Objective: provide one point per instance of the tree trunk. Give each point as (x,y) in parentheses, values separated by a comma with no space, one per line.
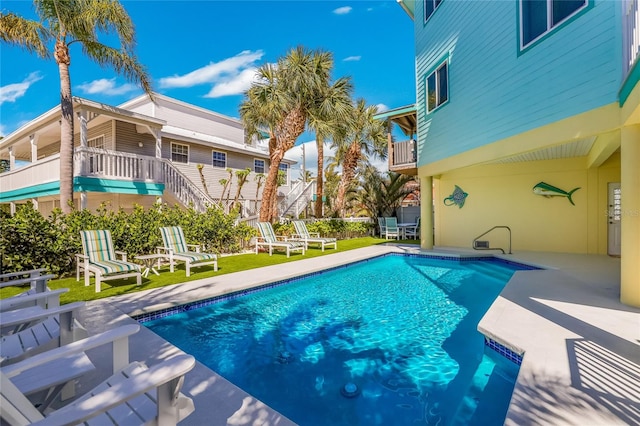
(66,127)
(348,173)
(269,194)
(319,180)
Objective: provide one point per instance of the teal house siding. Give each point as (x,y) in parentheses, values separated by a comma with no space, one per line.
(496,90)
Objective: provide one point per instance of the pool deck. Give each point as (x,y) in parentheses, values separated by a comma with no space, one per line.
(582,346)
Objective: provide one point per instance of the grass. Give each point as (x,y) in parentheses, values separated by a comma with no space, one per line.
(226,265)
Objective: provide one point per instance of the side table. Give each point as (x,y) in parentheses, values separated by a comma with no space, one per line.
(148,260)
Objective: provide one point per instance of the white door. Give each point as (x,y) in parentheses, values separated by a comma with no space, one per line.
(614,213)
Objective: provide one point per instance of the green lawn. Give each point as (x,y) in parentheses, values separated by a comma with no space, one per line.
(226,265)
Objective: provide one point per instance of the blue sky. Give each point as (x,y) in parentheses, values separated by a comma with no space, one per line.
(205,53)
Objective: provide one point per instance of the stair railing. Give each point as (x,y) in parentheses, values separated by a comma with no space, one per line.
(477,246)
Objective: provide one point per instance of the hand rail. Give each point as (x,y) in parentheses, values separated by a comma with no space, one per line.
(492,248)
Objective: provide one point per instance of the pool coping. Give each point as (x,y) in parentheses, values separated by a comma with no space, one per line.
(234,406)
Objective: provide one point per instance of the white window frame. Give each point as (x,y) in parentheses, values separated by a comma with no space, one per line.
(264,165)
(213,152)
(439,101)
(176,144)
(550,25)
(94,139)
(435,3)
(285,168)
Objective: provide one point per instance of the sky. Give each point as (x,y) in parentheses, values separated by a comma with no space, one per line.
(206,52)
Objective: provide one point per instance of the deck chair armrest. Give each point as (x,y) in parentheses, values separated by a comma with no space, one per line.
(122,254)
(32,273)
(28,280)
(80,256)
(166,250)
(20,316)
(109,336)
(197,247)
(10,302)
(152,378)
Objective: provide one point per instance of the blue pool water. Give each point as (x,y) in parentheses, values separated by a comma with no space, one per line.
(398,331)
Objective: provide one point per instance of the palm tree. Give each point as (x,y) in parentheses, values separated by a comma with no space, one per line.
(364,137)
(63,23)
(332,110)
(280,102)
(381,194)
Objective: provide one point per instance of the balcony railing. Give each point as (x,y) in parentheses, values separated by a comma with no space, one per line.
(403,156)
(115,164)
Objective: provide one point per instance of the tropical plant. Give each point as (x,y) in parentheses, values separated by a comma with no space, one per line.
(61,24)
(258,178)
(364,137)
(280,101)
(381,194)
(241,178)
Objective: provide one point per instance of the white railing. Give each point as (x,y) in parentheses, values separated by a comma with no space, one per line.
(631,35)
(297,199)
(115,164)
(404,152)
(182,187)
(42,171)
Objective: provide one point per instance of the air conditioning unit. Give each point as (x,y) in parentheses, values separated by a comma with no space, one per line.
(478,244)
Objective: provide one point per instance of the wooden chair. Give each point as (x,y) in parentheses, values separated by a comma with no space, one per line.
(303,234)
(269,240)
(176,248)
(99,259)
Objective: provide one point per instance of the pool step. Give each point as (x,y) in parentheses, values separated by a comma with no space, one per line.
(469,403)
(492,270)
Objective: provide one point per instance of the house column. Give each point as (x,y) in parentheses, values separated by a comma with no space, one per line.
(630,218)
(426,212)
(82,167)
(83,200)
(158,137)
(34,147)
(12,159)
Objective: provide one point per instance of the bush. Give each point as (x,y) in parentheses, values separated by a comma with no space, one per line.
(28,240)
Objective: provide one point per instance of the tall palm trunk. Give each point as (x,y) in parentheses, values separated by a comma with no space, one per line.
(268,206)
(348,173)
(319,180)
(61,55)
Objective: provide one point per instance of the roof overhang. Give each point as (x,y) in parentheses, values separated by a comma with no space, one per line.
(405,117)
(409,6)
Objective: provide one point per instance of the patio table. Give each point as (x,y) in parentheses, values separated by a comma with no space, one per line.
(403,226)
(148,260)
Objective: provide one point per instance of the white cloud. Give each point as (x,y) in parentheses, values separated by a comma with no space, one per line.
(106,86)
(234,85)
(382,108)
(342,10)
(352,58)
(230,76)
(3,130)
(11,92)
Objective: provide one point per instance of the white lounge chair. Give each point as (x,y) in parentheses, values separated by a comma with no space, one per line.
(303,234)
(34,329)
(99,259)
(134,394)
(382,226)
(38,293)
(176,248)
(52,374)
(270,240)
(391,228)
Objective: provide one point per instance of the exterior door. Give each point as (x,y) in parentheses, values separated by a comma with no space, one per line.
(614,213)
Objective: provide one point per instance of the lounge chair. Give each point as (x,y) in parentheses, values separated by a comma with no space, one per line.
(176,248)
(38,293)
(99,259)
(134,394)
(270,240)
(391,228)
(382,226)
(45,377)
(303,234)
(31,330)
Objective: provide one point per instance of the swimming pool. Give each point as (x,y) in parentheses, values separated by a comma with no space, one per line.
(391,340)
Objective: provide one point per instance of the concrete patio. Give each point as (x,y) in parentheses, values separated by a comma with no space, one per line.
(581,345)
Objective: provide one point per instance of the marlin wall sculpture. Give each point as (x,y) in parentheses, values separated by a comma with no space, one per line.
(547,190)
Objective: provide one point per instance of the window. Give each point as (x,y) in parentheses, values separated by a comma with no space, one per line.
(219,159)
(258,166)
(538,17)
(429,7)
(285,169)
(437,87)
(179,153)
(97,142)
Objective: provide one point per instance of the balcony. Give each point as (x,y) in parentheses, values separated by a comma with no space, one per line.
(402,157)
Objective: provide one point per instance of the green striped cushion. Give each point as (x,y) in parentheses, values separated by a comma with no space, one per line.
(97,245)
(115,266)
(301,229)
(267,232)
(196,257)
(173,238)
